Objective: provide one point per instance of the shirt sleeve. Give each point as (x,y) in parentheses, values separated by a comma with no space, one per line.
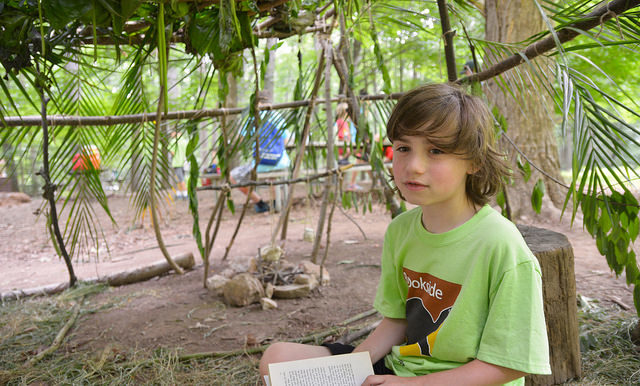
(390,299)
(515,334)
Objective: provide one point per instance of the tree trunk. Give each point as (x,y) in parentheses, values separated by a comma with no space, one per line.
(555,255)
(529,121)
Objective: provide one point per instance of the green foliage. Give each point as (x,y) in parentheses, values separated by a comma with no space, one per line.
(221,34)
(612,219)
(536,195)
(194,175)
(525,168)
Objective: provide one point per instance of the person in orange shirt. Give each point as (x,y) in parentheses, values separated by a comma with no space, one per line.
(86,159)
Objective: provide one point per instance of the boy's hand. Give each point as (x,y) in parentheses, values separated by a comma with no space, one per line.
(373,380)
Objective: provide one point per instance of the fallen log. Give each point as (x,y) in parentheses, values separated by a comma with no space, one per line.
(131,276)
(137,275)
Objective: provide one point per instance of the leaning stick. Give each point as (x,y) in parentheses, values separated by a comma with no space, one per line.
(59,338)
(353,336)
(262,348)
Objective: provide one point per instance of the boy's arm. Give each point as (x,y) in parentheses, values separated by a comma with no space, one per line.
(390,332)
(475,372)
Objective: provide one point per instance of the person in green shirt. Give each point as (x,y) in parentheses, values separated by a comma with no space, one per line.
(460,292)
(178,160)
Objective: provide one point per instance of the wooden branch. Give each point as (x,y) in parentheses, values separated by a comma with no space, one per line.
(259,349)
(599,16)
(327,49)
(131,276)
(59,338)
(364,235)
(136,275)
(447,34)
(353,336)
(284,216)
(49,187)
(111,120)
(280,182)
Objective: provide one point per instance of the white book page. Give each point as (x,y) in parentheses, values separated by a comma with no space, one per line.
(336,370)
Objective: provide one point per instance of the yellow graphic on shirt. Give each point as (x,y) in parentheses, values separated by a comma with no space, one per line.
(415,350)
(429,302)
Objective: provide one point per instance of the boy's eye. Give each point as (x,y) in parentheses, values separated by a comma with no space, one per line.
(435,151)
(402,149)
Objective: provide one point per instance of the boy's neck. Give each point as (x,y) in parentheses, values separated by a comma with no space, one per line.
(438,219)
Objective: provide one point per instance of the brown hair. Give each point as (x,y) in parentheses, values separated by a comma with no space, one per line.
(342,110)
(455,122)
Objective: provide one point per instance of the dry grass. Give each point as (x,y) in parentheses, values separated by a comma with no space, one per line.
(29,326)
(609,357)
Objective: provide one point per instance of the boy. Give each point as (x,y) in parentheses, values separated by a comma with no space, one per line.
(460,291)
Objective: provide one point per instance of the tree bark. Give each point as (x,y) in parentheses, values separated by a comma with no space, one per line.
(529,121)
(555,255)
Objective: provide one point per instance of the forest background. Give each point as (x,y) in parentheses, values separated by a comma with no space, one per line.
(568,118)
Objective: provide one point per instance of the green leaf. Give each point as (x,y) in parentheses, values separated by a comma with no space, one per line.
(536,196)
(346,201)
(632,271)
(231,206)
(62,12)
(624,220)
(605,221)
(524,167)
(611,258)
(601,242)
(633,229)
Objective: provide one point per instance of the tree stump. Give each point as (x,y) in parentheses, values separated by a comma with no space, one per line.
(555,256)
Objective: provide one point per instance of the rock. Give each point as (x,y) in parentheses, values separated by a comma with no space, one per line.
(239,267)
(13,198)
(271,253)
(242,290)
(268,304)
(228,273)
(309,280)
(291,291)
(310,268)
(268,290)
(253,265)
(216,284)
(309,235)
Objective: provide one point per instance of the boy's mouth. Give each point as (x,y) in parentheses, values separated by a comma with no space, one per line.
(414,185)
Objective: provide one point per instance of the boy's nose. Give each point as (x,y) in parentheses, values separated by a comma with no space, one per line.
(418,164)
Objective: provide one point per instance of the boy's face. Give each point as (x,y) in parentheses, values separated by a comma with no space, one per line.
(428,176)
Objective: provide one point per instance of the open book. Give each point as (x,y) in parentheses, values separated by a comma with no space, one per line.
(336,370)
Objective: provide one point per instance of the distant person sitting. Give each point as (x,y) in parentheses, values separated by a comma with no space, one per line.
(469,68)
(178,160)
(272,154)
(345,131)
(86,159)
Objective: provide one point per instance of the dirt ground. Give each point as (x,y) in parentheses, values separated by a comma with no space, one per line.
(177,312)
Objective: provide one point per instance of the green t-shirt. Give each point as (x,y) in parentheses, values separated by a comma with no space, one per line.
(179,149)
(472,292)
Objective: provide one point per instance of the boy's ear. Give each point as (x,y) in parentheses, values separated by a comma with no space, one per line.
(472,168)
